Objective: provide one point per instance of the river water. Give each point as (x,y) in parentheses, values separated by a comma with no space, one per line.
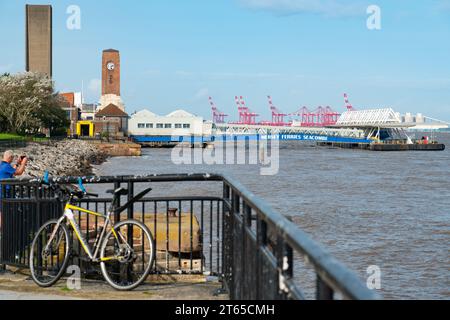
(388,209)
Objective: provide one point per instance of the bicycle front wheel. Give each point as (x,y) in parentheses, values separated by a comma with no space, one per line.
(49,255)
(127,255)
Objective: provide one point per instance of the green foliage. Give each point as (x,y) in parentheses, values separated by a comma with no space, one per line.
(28,103)
(10,136)
(105,134)
(66,289)
(54,117)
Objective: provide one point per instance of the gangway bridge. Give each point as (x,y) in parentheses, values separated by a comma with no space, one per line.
(268,132)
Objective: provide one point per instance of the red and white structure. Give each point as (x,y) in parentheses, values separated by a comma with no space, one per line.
(246,116)
(218,116)
(321,117)
(277,115)
(348,105)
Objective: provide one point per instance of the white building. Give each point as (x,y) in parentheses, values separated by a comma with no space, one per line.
(177,123)
(88,111)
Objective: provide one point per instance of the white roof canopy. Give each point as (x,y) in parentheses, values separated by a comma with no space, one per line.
(175,114)
(370,118)
(145,114)
(180,114)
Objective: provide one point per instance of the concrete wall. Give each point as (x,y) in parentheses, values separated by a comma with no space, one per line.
(39,39)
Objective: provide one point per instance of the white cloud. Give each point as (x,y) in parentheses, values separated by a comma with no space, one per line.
(329,8)
(95,86)
(202,93)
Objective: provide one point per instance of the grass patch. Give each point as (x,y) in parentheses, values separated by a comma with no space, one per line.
(66,289)
(16,137)
(10,136)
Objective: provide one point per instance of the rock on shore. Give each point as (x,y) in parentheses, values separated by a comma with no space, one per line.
(63,158)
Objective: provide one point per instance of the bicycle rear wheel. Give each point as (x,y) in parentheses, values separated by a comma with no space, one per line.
(128,258)
(49,257)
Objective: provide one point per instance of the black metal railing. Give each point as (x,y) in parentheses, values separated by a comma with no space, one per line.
(235,236)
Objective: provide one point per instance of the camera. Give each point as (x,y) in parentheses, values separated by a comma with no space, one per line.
(23,156)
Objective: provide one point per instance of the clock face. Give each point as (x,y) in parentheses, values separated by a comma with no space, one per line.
(110,66)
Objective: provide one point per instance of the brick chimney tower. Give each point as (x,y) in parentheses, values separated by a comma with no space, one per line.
(111,80)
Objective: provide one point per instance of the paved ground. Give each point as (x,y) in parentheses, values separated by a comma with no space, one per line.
(18,286)
(12,295)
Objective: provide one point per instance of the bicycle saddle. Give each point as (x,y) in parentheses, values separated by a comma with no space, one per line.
(72,191)
(119,191)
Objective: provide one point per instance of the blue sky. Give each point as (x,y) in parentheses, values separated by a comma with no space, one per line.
(175,53)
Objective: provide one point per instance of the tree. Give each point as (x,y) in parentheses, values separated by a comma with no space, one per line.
(3,119)
(28,103)
(53,117)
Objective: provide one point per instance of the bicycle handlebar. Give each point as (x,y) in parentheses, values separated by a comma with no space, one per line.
(46,181)
(95,195)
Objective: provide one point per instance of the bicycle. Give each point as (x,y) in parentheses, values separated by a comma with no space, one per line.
(125,252)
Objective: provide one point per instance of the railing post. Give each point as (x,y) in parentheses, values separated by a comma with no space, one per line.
(130,211)
(2,195)
(235,290)
(130,215)
(285,266)
(117,214)
(324,291)
(226,191)
(2,266)
(225,268)
(261,241)
(246,223)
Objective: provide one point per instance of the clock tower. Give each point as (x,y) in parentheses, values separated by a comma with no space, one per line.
(111,72)
(111,80)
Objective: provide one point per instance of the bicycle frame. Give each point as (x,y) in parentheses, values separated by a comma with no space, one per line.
(69,215)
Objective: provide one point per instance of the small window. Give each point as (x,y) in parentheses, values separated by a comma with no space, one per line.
(141,125)
(149,125)
(159,125)
(178,126)
(186,126)
(168,126)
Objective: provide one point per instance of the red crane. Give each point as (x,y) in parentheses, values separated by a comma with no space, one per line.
(326,116)
(320,117)
(277,116)
(347,103)
(331,116)
(218,116)
(306,117)
(246,116)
